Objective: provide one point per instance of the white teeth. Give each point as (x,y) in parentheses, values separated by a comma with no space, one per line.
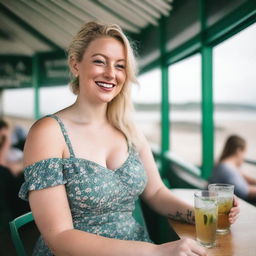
(105,85)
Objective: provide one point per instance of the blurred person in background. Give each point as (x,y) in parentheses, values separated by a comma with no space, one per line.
(11,176)
(229,169)
(10,156)
(18,137)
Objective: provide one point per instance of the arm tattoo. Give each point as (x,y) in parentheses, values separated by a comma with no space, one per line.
(190,216)
(176,216)
(187,217)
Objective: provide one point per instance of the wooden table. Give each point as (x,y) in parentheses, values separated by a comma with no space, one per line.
(241,241)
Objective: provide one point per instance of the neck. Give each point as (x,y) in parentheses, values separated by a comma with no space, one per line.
(85,112)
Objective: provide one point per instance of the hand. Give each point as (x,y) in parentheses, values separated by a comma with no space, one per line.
(234,212)
(183,247)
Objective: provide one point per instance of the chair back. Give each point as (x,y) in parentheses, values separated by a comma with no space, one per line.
(14,227)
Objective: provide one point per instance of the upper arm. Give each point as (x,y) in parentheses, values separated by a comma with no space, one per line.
(44,141)
(49,205)
(241,187)
(154,179)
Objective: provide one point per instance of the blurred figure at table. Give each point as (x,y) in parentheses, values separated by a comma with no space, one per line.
(11,177)
(10,157)
(228,169)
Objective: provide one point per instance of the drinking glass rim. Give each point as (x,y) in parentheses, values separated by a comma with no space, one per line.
(211,194)
(224,185)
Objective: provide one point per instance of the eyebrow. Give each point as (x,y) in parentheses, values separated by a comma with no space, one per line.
(106,57)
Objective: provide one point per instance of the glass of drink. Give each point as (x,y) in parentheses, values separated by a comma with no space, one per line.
(206,213)
(225,194)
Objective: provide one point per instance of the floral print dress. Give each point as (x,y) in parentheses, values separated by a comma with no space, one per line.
(101,200)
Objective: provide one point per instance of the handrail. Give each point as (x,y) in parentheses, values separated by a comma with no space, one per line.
(184,170)
(249,161)
(177,160)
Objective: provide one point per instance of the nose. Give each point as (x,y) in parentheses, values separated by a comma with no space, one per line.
(109,72)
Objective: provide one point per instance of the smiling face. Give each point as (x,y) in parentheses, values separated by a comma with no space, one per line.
(102,71)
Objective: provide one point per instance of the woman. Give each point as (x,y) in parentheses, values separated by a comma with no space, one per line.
(84,178)
(228,170)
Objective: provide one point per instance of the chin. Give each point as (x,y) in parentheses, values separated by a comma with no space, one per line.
(106,99)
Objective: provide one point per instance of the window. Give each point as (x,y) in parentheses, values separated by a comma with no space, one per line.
(235,90)
(18,102)
(53,99)
(147,97)
(185,109)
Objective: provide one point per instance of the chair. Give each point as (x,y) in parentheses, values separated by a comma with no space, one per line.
(14,227)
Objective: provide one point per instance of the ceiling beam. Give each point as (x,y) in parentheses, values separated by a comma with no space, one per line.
(38,22)
(127,14)
(39,35)
(139,12)
(24,37)
(102,14)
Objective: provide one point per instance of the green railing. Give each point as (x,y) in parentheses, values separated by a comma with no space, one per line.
(177,172)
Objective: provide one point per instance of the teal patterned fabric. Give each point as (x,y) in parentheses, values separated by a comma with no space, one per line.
(101,200)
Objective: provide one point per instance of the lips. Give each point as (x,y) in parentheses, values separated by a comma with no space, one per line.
(105,85)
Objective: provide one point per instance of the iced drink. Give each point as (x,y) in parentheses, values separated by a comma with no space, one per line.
(225,194)
(206,213)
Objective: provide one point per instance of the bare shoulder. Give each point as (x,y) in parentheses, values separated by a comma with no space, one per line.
(143,142)
(44,140)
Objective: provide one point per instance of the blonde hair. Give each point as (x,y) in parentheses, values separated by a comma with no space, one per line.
(119,110)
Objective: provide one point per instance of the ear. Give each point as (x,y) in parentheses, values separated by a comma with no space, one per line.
(74,67)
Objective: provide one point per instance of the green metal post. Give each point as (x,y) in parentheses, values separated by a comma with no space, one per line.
(165,127)
(207,100)
(36,84)
(207,112)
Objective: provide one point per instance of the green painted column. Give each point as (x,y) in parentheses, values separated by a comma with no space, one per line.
(36,85)
(207,112)
(207,99)
(165,126)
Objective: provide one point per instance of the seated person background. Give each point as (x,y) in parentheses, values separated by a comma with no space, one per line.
(10,157)
(228,169)
(11,177)
(18,137)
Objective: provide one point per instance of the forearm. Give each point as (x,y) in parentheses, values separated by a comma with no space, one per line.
(167,204)
(75,242)
(252,191)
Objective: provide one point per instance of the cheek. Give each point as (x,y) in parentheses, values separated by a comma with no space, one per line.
(122,78)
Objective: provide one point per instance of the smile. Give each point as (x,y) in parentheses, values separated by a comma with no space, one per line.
(105,85)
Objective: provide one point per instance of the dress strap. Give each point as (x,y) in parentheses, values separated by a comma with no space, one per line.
(65,134)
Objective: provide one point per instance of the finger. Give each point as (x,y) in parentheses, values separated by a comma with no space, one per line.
(197,249)
(233,219)
(235,201)
(192,254)
(234,211)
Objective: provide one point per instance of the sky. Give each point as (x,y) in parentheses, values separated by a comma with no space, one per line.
(234,80)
